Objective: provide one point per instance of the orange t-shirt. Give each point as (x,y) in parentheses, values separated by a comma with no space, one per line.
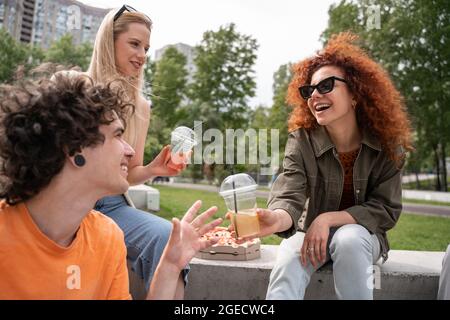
(34,267)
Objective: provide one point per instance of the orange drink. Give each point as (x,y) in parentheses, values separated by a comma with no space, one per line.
(245,223)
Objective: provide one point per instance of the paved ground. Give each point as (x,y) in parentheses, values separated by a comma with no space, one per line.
(407,207)
(427,209)
(422,177)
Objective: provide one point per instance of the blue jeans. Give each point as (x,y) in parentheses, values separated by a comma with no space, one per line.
(353,251)
(146,235)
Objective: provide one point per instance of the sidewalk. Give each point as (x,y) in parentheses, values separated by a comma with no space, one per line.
(421,176)
(423,209)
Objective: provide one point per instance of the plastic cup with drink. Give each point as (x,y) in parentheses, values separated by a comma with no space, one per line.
(239,193)
(182,140)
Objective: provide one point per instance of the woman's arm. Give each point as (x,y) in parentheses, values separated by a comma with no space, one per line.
(137,172)
(288,192)
(158,167)
(336,218)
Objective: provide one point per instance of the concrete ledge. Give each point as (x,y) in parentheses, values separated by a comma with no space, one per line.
(144,197)
(409,275)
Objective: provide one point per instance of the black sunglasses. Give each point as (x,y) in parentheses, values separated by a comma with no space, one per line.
(124,8)
(128,8)
(324,86)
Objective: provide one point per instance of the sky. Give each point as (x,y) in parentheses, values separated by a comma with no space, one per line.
(286,30)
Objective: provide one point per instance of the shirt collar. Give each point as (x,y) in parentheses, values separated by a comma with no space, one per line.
(321,141)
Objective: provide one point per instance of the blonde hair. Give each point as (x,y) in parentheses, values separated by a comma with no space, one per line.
(103,69)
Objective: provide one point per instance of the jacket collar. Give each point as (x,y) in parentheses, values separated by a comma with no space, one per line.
(321,141)
(369,140)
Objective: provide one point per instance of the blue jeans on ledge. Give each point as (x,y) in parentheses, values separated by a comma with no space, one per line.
(353,251)
(146,235)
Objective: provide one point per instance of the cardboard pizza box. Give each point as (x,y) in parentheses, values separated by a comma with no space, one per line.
(243,252)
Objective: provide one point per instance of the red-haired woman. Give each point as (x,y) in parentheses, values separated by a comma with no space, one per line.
(349,132)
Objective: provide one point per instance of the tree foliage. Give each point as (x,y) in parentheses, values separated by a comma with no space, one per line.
(279,113)
(169,86)
(64,52)
(222,85)
(11,55)
(225,77)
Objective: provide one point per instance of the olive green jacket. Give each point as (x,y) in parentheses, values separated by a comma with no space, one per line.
(313,172)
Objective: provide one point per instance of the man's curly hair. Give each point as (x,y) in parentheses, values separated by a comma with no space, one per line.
(44,122)
(380,107)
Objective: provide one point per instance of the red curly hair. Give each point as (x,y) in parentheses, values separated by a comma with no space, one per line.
(380,107)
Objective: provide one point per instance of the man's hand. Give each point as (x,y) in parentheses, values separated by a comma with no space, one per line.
(184,242)
(185,239)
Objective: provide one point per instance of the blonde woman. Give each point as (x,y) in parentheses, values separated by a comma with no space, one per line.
(120,52)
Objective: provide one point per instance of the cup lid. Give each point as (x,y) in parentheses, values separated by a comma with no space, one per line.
(237,183)
(183,135)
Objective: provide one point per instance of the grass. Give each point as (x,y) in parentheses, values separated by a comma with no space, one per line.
(422,233)
(412,232)
(428,184)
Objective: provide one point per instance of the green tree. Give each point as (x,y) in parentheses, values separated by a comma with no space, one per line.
(413,44)
(12,54)
(279,113)
(344,16)
(16,58)
(35,56)
(275,117)
(222,85)
(225,77)
(169,85)
(149,73)
(66,53)
(158,136)
(260,119)
(202,115)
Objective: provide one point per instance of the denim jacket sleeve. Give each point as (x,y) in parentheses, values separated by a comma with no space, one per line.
(383,203)
(289,189)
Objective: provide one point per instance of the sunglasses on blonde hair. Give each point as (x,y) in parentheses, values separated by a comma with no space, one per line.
(128,8)
(324,86)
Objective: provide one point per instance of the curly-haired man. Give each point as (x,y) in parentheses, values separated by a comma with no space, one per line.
(61,149)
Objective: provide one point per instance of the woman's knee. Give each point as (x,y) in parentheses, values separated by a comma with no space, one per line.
(289,253)
(293,243)
(351,238)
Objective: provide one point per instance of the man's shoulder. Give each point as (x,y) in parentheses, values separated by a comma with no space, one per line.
(102,225)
